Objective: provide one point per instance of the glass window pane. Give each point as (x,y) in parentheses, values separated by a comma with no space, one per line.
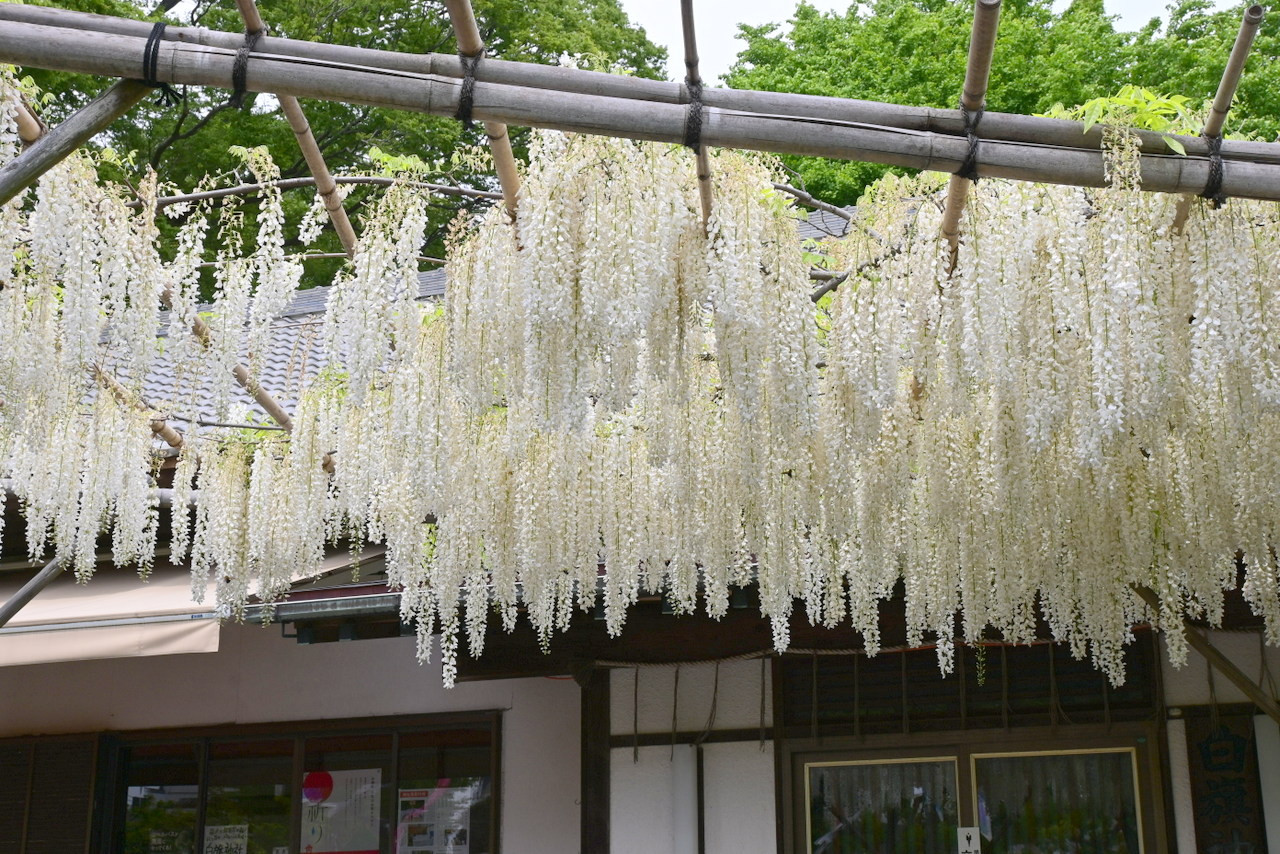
(161,798)
(346,794)
(1058,803)
(249,795)
(445,795)
(882,806)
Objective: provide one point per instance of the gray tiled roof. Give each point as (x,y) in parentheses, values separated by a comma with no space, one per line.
(297,351)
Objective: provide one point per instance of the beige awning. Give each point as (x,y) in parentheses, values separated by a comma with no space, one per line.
(115,615)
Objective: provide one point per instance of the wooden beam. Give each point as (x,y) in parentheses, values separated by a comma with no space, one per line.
(71,50)
(1035,130)
(986,21)
(467,34)
(1214,656)
(56,145)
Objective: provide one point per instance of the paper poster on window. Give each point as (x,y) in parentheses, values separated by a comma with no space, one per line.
(436,820)
(226,839)
(341,811)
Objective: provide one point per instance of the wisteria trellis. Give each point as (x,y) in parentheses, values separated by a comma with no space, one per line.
(1089,401)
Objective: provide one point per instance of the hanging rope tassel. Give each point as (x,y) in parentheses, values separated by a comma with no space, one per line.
(969,168)
(241,68)
(1213,187)
(150,59)
(466,98)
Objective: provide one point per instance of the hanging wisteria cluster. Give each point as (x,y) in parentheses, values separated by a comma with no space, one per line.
(617,399)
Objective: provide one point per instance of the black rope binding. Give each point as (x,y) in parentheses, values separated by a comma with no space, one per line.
(466,98)
(693,120)
(969,168)
(1213,187)
(150,59)
(241,68)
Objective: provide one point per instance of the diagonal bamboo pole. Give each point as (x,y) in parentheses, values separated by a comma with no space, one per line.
(30,127)
(1215,658)
(81,126)
(986,20)
(1224,96)
(159,426)
(181,63)
(470,44)
(1009,127)
(693,82)
(311,153)
(42,579)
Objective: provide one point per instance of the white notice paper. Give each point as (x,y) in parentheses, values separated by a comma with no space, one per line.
(970,840)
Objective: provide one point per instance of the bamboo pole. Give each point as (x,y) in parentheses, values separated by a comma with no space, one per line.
(1214,656)
(28,591)
(294,183)
(30,128)
(1224,96)
(693,81)
(986,21)
(159,426)
(311,153)
(504,161)
(94,53)
(54,147)
(1010,127)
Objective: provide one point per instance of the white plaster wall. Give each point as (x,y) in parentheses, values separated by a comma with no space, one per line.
(1189,685)
(653,800)
(256,676)
(1268,735)
(737,701)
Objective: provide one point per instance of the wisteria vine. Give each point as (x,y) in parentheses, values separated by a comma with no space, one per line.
(616,400)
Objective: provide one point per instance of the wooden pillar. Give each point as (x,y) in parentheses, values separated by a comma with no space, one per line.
(594,800)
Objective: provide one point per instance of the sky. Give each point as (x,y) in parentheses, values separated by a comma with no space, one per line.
(717,25)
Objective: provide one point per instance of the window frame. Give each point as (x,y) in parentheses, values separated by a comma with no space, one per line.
(114,783)
(796,754)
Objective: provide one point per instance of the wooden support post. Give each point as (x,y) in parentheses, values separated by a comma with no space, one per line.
(693,81)
(29,590)
(54,147)
(1214,656)
(504,161)
(594,797)
(1224,96)
(311,153)
(986,20)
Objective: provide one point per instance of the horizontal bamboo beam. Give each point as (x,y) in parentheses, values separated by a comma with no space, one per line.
(187,64)
(81,126)
(982,45)
(1214,656)
(467,34)
(1005,126)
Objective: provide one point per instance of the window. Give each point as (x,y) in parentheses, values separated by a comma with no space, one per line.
(424,785)
(1026,744)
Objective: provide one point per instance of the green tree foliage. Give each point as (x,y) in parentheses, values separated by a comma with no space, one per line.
(914,52)
(186,142)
